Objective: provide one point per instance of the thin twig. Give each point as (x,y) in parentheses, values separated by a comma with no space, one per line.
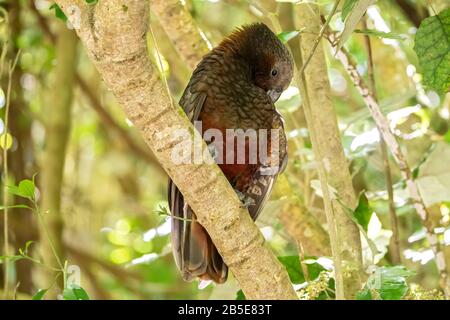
(319,37)
(395,243)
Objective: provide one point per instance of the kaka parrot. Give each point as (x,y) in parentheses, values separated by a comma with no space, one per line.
(235,86)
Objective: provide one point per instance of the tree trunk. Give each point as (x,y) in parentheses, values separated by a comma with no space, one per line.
(57,125)
(329,154)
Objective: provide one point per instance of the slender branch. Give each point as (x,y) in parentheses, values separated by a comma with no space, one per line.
(394,147)
(395,243)
(320,36)
(302,226)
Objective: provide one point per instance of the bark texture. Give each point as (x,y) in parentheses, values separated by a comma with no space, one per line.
(302,226)
(114,34)
(181,29)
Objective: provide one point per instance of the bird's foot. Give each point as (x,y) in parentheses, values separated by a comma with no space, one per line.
(213,151)
(246,200)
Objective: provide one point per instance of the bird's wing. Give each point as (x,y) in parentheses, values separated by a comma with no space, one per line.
(194,95)
(194,251)
(264,178)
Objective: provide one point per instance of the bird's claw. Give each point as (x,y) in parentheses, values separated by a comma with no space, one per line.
(246,200)
(213,151)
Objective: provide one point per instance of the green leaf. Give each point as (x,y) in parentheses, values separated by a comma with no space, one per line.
(91,1)
(386,35)
(285,36)
(25,189)
(432,46)
(357,11)
(364,295)
(388,281)
(58,12)
(363,212)
(347,7)
(40,294)
(295,271)
(240,295)
(292,265)
(75,292)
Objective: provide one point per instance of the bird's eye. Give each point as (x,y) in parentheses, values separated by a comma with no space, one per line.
(274,72)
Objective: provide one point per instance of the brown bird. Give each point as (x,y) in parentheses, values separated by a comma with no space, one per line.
(233,87)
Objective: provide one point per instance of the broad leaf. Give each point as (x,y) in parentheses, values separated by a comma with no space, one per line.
(40,294)
(447,137)
(285,36)
(295,271)
(240,295)
(25,189)
(292,265)
(58,12)
(363,212)
(388,282)
(432,46)
(75,292)
(347,7)
(364,295)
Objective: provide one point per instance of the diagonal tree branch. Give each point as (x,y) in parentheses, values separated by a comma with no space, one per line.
(114,35)
(395,242)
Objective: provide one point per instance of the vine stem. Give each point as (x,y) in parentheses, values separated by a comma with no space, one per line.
(47,234)
(320,36)
(395,242)
(12,66)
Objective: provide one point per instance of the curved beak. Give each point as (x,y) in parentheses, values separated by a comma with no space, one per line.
(274,94)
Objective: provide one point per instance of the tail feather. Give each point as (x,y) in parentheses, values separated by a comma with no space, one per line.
(195,253)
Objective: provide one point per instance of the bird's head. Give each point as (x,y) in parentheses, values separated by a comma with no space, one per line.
(269,60)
